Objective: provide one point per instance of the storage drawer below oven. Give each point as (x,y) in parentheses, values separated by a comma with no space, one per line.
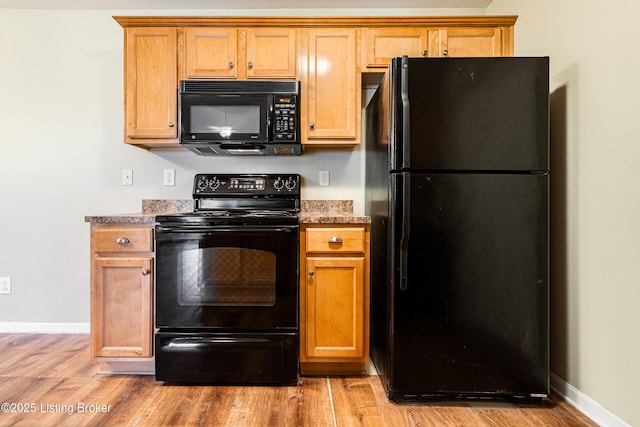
(227,358)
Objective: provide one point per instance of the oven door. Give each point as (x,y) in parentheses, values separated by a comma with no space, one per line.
(227,277)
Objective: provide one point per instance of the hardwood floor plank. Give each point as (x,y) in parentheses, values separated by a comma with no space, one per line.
(317,405)
(56,373)
(355,403)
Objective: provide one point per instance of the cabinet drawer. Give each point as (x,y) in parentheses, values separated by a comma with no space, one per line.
(335,240)
(123,240)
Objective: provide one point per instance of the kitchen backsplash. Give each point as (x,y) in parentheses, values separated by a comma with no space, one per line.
(166,206)
(320,206)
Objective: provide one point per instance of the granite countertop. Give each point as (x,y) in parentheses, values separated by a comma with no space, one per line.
(311,212)
(330,212)
(150,209)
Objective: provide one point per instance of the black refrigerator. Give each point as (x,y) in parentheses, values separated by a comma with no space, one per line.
(457,187)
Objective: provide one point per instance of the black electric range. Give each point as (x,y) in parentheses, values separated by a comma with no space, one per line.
(227,283)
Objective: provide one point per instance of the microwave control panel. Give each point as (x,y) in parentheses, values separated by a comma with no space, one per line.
(286,119)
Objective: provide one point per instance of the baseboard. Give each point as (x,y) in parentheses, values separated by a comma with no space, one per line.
(44,328)
(585,404)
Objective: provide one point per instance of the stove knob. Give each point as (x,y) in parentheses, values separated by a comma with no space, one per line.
(214,183)
(290,183)
(278,184)
(202,184)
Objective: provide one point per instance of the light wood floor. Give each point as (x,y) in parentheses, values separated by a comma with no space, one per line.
(51,380)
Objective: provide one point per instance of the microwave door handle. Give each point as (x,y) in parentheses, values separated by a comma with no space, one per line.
(270,113)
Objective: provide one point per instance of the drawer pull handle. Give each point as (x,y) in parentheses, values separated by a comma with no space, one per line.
(335,239)
(122,241)
(145,272)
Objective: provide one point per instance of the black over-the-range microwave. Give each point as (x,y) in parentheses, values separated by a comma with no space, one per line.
(243,117)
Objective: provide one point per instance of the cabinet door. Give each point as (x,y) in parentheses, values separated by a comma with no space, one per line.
(382,44)
(211,53)
(334,307)
(332,87)
(472,41)
(150,83)
(271,53)
(121,307)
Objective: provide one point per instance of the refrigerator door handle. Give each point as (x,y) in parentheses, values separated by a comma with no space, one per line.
(406,110)
(405,205)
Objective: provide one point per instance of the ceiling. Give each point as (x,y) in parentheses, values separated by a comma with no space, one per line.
(238,4)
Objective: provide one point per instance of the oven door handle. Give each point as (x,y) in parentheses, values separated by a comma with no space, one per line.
(223,229)
(199,341)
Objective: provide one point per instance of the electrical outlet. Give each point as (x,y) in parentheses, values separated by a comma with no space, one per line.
(324,178)
(5,285)
(127,176)
(169,177)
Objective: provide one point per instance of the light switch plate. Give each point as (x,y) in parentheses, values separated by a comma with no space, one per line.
(127,176)
(169,177)
(323,178)
(5,285)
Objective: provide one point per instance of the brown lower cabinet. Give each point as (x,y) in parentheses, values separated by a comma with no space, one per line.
(121,291)
(334,299)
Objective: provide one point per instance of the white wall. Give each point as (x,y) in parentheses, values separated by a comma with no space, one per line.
(594,53)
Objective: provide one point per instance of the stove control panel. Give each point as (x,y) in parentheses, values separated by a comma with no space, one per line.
(246,184)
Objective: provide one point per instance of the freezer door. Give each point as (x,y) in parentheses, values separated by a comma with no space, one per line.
(470,114)
(469,296)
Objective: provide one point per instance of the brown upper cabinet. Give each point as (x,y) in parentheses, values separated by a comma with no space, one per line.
(382,44)
(150,85)
(211,53)
(474,41)
(327,55)
(239,53)
(330,87)
(271,53)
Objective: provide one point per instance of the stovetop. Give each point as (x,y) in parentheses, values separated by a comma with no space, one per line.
(228,218)
(231,199)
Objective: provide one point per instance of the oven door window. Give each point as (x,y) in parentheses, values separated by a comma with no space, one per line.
(227,276)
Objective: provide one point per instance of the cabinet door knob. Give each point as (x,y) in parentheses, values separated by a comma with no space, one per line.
(425,53)
(445,52)
(311,272)
(312,125)
(230,64)
(250,65)
(122,241)
(145,272)
(170,124)
(335,239)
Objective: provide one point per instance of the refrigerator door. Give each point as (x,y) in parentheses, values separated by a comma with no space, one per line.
(469,288)
(473,114)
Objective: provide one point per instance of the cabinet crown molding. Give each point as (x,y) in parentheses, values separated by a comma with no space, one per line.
(303,21)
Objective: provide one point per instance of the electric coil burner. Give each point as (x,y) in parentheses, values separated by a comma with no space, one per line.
(227,283)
